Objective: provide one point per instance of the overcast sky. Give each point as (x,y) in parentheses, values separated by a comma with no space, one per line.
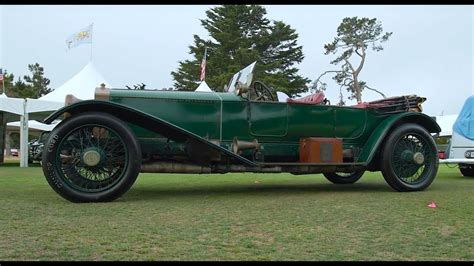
(430,52)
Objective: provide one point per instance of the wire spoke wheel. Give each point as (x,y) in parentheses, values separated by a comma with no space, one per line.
(410,159)
(406,167)
(91,157)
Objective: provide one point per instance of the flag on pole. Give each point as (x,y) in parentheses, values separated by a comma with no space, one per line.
(203,65)
(1,74)
(80,37)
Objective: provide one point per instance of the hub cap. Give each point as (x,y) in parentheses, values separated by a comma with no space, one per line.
(418,158)
(91,158)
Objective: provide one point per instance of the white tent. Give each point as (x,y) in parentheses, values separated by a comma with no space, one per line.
(13,109)
(32,124)
(203,87)
(282,96)
(38,109)
(82,85)
(11,105)
(446,123)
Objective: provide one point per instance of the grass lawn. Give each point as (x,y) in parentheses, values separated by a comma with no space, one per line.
(238,217)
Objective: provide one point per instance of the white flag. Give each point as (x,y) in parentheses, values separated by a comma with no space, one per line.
(81,37)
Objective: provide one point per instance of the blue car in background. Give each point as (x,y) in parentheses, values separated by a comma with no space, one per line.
(461,146)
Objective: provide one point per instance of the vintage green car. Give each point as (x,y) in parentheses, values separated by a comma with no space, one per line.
(96,153)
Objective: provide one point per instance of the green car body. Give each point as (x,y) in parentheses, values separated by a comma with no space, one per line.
(195,132)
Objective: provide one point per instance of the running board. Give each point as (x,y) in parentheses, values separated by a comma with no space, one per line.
(312,164)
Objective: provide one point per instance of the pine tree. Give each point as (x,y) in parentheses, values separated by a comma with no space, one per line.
(241,34)
(354,35)
(33,86)
(37,81)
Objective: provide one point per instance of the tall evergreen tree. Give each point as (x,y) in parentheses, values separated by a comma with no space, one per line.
(239,35)
(22,90)
(37,80)
(354,35)
(33,86)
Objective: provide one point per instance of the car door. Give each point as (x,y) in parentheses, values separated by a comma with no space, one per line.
(349,123)
(268,119)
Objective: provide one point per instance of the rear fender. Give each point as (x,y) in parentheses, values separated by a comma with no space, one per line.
(144,120)
(383,129)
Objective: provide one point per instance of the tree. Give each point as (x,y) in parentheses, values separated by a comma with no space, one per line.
(239,35)
(37,81)
(354,36)
(33,86)
(137,87)
(22,90)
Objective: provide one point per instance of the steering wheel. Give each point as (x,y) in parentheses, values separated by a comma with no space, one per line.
(260,92)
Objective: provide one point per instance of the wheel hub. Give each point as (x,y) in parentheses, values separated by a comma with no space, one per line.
(418,158)
(91,158)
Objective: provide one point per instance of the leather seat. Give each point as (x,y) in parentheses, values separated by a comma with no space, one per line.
(316,98)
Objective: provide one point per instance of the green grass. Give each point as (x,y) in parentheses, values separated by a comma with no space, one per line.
(233,217)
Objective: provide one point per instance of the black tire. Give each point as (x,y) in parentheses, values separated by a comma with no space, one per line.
(344,178)
(466,169)
(403,168)
(113,170)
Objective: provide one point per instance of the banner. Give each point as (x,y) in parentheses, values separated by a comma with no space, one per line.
(81,37)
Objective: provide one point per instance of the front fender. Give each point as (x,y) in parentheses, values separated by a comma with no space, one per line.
(384,128)
(144,120)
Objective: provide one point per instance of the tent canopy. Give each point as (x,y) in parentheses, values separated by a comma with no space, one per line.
(446,122)
(82,85)
(203,87)
(32,125)
(37,109)
(11,105)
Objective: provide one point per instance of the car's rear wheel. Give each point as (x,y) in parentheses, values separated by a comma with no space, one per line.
(409,158)
(91,157)
(344,178)
(466,169)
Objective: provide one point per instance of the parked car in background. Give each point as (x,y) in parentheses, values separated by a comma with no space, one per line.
(35,147)
(461,145)
(14,152)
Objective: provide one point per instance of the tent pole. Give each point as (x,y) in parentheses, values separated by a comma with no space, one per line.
(24,137)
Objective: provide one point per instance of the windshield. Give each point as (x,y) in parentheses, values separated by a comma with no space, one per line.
(244,76)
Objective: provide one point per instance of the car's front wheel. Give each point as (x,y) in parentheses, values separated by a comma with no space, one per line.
(409,158)
(91,157)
